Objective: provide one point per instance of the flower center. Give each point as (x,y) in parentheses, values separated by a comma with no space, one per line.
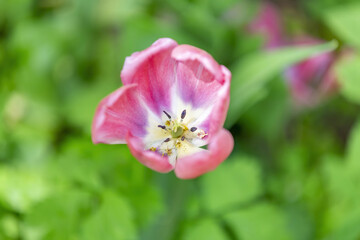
(179,137)
(177,132)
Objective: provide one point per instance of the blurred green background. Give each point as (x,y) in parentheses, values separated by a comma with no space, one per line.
(294,172)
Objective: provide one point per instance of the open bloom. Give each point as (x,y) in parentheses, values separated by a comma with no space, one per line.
(173,103)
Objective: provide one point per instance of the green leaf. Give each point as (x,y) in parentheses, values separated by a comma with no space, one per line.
(318,7)
(20,189)
(348,72)
(113,220)
(9,226)
(76,170)
(353,148)
(342,214)
(80,106)
(234,182)
(205,229)
(252,73)
(276,109)
(349,231)
(262,221)
(112,12)
(338,181)
(344,21)
(57,217)
(147,210)
(300,222)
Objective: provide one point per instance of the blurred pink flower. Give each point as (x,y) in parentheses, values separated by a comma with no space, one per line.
(268,24)
(174,101)
(313,79)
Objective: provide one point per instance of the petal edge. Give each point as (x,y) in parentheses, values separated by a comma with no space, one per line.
(200,62)
(202,162)
(117,114)
(150,159)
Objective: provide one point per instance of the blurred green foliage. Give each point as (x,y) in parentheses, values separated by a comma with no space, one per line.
(294,174)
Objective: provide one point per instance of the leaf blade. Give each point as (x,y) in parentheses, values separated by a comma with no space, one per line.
(249,81)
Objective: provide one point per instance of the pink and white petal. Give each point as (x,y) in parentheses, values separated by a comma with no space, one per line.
(117,114)
(204,84)
(218,114)
(201,63)
(194,91)
(150,159)
(153,70)
(202,162)
(188,148)
(214,121)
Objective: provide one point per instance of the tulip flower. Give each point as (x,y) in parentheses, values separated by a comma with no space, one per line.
(312,79)
(170,110)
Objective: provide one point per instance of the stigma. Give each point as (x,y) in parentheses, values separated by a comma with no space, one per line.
(179,136)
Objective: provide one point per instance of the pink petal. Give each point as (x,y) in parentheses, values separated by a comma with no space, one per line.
(311,78)
(153,70)
(150,159)
(213,92)
(194,91)
(218,114)
(200,62)
(117,114)
(268,24)
(219,104)
(195,165)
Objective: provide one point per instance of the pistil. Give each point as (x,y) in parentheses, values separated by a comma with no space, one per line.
(177,132)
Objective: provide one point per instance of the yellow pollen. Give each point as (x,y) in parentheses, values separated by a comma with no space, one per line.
(168,152)
(175,133)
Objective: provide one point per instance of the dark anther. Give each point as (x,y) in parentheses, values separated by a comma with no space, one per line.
(193,129)
(183,114)
(168,115)
(166,140)
(161,126)
(182,138)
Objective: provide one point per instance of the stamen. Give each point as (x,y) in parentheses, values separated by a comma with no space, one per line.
(168,152)
(201,134)
(168,115)
(177,132)
(183,114)
(193,129)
